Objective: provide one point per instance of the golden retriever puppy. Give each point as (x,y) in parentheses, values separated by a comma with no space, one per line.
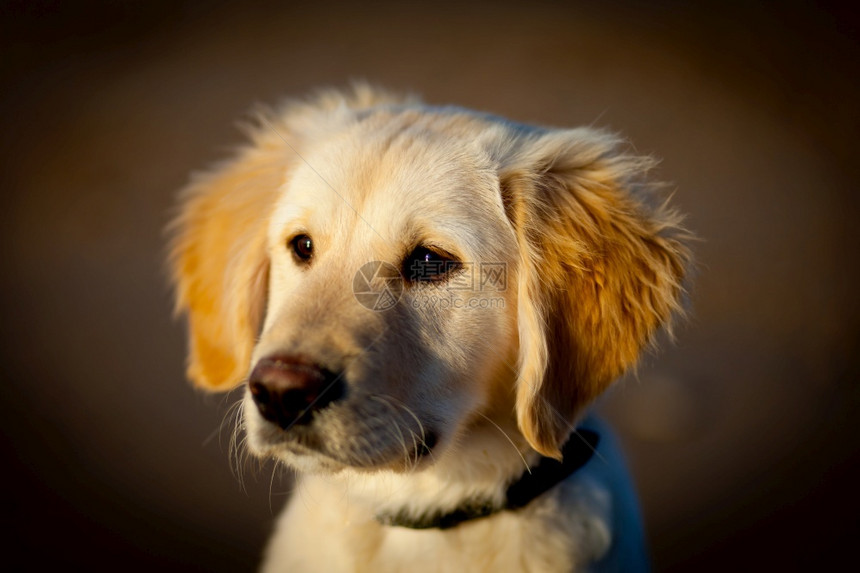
(420,303)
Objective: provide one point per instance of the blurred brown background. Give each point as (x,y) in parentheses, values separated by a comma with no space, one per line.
(743,435)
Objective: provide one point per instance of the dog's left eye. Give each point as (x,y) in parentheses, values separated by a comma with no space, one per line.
(426,264)
(303,247)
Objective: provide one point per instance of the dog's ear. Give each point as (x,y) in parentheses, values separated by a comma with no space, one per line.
(600,270)
(219,261)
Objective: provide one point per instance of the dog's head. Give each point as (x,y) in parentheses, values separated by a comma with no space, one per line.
(381,275)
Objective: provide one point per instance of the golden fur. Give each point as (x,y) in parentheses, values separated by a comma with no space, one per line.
(594,266)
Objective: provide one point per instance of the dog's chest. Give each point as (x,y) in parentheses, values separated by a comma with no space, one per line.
(323,531)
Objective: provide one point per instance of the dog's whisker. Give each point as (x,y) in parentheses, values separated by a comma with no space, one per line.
(225,420)
(508,438)
(422,441)
(236,459)
(394,422)
(271,486)
(232,418)
(573,430)
(409,411)
(242,458)
(212,435)
(423,438)
(415,457)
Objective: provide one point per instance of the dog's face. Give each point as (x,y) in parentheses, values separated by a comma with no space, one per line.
(415,217)
(385,277)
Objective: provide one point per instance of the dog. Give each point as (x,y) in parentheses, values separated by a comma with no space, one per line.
(421,303)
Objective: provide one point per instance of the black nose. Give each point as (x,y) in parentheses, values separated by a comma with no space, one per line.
(288,390)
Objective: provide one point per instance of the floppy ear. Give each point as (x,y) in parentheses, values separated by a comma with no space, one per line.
(219,262)
(600,269)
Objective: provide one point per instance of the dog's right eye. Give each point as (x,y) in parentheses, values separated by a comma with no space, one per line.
(302,247)
(429,264)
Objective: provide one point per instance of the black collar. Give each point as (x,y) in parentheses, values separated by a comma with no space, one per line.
(543,476)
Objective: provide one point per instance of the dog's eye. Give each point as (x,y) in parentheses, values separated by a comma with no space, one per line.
(425,264)
(302,246)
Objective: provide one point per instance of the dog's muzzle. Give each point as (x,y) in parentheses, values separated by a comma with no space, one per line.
(289,390)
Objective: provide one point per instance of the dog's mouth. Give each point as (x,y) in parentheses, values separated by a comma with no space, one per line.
(364,432)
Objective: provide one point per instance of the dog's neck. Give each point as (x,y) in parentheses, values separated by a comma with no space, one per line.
(488,471)
(534,482)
